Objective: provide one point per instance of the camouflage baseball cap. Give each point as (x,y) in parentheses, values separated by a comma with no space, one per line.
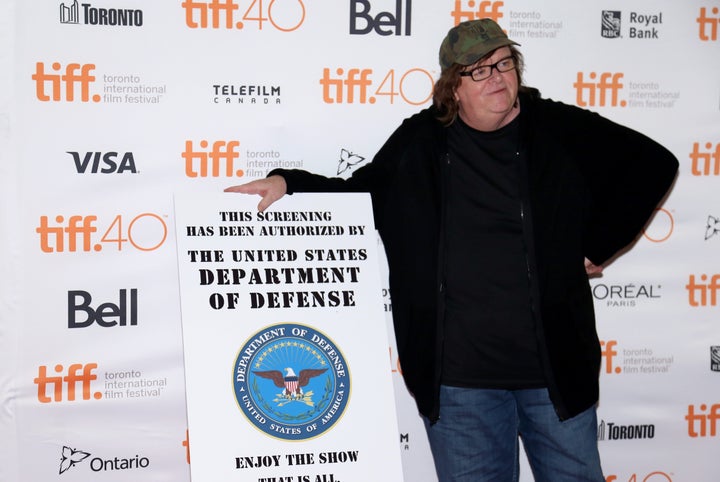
(468,42)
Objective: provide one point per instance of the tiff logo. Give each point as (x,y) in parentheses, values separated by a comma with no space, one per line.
(707,25)
(703,424)
(75,75)
(485,9)
(707,162)
(76,373)
(78,228)
(609,353)
(598,92)
(356,80)
(216,9)
(702,294)
(201,163)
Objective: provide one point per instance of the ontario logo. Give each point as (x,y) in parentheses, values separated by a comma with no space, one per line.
(348,160)
(291,381)
(70,457)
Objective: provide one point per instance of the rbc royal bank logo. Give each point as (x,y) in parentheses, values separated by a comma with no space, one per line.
(610,24)
(291,381)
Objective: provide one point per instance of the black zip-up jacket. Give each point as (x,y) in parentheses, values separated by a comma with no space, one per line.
(589,187)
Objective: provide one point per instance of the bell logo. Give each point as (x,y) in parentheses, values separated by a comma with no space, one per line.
(708,25)
(61,86)
(609,353)
(596,93)
(704,423)
(485,9)
(705,162)
(702,294)
(76,372)
(107,315)
(359,10)
(201,163)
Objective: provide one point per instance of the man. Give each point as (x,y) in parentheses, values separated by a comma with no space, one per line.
(494,205)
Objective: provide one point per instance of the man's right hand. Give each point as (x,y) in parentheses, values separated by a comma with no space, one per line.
(271,189)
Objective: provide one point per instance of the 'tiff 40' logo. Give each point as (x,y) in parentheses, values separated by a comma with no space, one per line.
(144,232)
(349,86)
(656,476)
(217,14)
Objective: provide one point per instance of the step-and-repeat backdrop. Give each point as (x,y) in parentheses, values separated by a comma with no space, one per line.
(108,107)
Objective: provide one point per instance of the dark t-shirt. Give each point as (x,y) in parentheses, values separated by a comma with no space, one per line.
(490,337)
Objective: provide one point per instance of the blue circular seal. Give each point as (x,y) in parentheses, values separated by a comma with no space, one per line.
(291,381)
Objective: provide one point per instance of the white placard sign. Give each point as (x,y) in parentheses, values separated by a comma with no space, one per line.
(285,342)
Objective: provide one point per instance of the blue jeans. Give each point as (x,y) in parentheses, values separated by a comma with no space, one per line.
(476,437)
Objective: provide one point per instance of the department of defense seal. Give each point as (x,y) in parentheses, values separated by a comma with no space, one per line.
(291,381)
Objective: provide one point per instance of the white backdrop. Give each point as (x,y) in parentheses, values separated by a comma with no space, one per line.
(107,108)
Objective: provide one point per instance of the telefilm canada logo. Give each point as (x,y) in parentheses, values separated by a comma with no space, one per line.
(291,381)
(246,94)
(76,13)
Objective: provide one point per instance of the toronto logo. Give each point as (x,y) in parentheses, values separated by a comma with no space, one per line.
(291,381)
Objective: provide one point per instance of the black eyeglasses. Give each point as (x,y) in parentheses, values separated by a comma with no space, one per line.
(483,72)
